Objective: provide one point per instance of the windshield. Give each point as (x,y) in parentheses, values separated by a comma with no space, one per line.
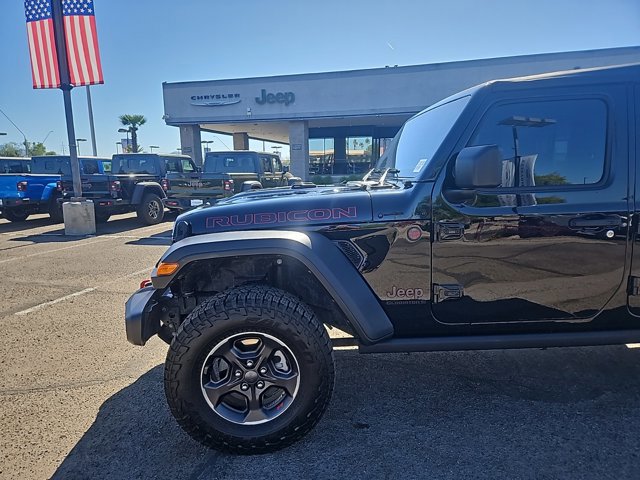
(135,164)
(229,163)
(415,145)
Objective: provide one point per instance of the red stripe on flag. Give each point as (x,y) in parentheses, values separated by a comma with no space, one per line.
(73,56)
(96,54)
(40,57)
(54,72)
(35,74)
(82,50)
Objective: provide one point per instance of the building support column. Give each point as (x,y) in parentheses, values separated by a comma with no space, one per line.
(190,142)
(240,141)
(299,148)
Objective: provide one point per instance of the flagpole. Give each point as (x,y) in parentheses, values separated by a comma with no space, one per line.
(91,125)
(65,86)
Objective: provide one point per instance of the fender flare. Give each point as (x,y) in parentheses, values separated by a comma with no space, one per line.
(146,187)
(319,254)
(50,190)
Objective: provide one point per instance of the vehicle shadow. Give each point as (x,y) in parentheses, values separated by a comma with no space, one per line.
(10,227)
(115,226)
(510,414)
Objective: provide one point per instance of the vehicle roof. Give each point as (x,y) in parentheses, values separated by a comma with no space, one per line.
(612,74)
(15,158)
(226,152)
(83,157)
(177,155)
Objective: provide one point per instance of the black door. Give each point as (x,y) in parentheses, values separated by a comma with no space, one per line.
(550,242)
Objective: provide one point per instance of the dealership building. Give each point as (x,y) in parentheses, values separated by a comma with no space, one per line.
(338,123)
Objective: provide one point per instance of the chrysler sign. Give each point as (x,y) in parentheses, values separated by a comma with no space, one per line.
(215,100)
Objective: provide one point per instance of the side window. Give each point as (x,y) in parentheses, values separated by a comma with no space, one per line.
(266,164)
(173,165)
(543,143)
(277,164)
(187,166)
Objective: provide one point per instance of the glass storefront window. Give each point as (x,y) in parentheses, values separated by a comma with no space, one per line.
(321,156)
(359,154)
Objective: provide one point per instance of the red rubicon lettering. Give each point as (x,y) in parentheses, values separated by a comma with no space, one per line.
(320,214)
(262,218)
(212,222)
(349,212)
(281,217)
(298,216)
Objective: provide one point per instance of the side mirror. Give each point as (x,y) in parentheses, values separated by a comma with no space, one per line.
(478,167)
(285,169)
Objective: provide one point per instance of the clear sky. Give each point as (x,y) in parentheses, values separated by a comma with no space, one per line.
(146,42)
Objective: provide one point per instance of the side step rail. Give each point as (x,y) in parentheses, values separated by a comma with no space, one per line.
(492,342)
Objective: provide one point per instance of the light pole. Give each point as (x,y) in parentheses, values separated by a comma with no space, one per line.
(127,131)
(151,147)
(117,145)
(47,136)
(26,144)
(78,140)
(205,143)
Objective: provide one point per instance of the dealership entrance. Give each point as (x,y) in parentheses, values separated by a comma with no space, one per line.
(339,123)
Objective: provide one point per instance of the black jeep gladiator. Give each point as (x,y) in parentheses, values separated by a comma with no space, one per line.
(249,170)
(501,217)
(226,173)
(136,182)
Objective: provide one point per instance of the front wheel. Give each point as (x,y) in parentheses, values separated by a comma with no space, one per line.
(150,211)
(18,214)
(249,371)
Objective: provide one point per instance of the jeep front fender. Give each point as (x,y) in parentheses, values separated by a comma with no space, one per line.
(323,259)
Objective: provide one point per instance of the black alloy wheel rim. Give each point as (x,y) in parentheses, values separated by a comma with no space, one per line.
(154,209)
(250,378)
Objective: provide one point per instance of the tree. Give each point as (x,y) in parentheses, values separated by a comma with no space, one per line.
(133,121)
(11,149)
(37,149)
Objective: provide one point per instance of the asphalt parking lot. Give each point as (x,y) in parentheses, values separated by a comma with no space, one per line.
(78,401)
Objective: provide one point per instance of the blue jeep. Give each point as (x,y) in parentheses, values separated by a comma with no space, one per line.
(38,192)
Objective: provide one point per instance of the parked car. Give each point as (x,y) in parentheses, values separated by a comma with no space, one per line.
(249,170)
(226,173)
(40,191)
(436,249)
(137,182)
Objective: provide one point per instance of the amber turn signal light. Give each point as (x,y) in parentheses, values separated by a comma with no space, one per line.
(167,268)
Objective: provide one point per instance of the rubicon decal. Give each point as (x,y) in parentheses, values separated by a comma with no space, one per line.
(266,218)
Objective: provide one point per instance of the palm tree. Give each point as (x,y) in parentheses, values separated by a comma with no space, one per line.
(133,122)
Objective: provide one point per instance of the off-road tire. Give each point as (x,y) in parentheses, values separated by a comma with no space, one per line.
(150,201)
(15,215)
(254,308)
(55,211)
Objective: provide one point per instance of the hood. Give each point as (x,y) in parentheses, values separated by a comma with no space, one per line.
(281,208)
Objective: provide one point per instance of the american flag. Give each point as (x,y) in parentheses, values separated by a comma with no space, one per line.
(82,43)
(42,44)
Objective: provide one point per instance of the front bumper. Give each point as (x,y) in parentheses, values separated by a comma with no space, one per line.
(142,316)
